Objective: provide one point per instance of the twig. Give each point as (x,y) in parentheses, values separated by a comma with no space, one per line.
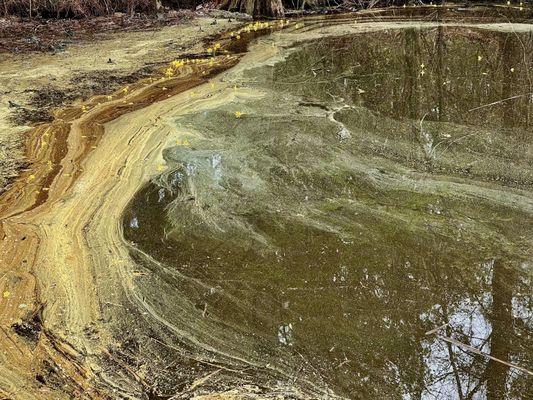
(476,351)
(196,383)
(431,332)
(500,101)
(126,367)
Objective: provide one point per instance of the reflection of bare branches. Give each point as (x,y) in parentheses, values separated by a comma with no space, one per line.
(475,389)
(474,350)
(524,56)
(452,357)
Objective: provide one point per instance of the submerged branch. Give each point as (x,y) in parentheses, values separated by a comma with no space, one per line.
(501,101)
(476,351)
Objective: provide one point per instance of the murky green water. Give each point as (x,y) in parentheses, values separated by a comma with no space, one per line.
(373,194)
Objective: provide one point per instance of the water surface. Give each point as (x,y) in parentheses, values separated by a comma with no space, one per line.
(380,187)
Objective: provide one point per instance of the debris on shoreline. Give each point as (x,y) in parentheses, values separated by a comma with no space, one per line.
(47,79)
(54,35)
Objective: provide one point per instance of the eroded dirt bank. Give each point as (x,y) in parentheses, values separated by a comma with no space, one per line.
(87,314)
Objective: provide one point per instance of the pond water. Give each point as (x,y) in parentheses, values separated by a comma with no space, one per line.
(379,188)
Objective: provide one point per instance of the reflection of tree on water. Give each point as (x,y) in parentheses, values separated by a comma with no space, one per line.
(444,69)
(486,322)
(474,301)
(355,310)
(441,72)
(510,60)
(413,69)
(501,319)
(490,326)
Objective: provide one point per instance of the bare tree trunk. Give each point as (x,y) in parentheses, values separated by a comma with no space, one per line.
(256,8)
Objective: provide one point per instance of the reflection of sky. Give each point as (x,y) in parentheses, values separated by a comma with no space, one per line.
(465,320)
(521,303)
(469,324)
(216,165)
(199,162)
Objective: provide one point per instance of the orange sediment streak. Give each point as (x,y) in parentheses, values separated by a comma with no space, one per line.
(56,153)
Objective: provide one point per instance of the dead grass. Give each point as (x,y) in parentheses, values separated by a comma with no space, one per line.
(74,8)
(55,35)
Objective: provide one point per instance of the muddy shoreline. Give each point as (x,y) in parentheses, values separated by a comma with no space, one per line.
(72,314)
(36,84)
(61,147)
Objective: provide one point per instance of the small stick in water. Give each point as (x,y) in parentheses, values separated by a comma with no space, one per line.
(500,101)
(476,351)
(431,332)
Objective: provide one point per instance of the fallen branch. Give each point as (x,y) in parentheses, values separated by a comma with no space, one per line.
(476,351)
(473,349)
(501,101)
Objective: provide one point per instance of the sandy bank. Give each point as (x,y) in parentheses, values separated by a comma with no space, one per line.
(32,85)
